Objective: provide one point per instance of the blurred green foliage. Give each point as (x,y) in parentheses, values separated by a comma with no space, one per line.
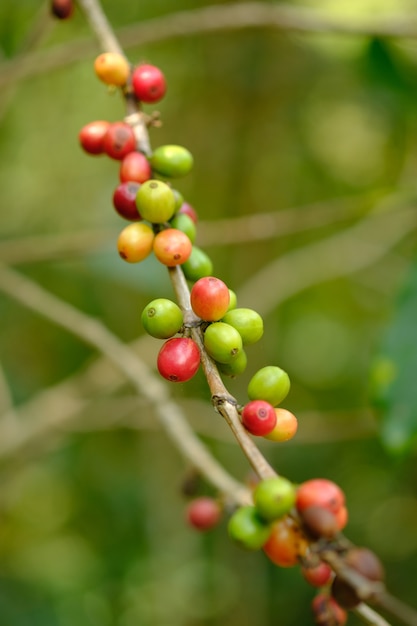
(91,526)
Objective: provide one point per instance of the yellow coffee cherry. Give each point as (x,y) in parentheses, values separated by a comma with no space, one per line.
(112,68)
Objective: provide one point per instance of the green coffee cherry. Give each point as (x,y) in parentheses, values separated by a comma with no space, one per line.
(274,498)
(162,318)
(233,300)
(183,222)
(235,367)
(198,265)
(248,529)
(222,342)
(270,383)
(171,161)
(248,322)
(155,201)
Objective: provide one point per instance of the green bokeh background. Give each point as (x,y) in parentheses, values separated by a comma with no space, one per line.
(92,525)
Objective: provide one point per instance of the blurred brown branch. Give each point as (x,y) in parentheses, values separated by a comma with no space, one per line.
(242,15)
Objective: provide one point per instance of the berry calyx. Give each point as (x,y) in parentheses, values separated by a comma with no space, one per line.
(135,167)
(203,513)
(112,68)
(248,529)
(171,161)
(270,383)
(178,359)
(222,342)
(286,426)
(135,242)
(124,201)
(148,83)
(155,201)
(258,417)
(91,136)
(172,247)
(274,498)
(119,140)
(210,299)
(162,318)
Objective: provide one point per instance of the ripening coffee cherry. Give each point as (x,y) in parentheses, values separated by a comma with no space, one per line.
(248,529)
(124,201)
(203,513)
(135,242)
(270,383)
(172,247)
(112,68)
(286,543)
(198,265)
(135,167)
(148,83)
(317,575)
(62,9)
(91,136)
(235,367)
(210,298)
(248,322)
(286,426)
(119,140)
(155,201)
(188,210)
(258,417)
(344,594)
(171,161)
(320,492)
(274,498)
(327,612)
(178,359)
(162,318)
(222,342)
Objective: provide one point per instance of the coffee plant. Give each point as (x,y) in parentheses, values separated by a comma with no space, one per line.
(200,331)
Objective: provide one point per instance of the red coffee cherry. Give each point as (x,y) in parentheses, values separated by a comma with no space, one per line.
(189,210)
(178,359)
(317,575)
(320,492)
(210,298)
(327,612)
(62,9)
(258,417)
(91,136)
(148,83)
(119,140)
(135,167)
(124,201)
(203,513)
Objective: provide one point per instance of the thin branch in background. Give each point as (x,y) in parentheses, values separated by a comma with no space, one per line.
(355,248)
(6,397)
(210,19)
(136,372)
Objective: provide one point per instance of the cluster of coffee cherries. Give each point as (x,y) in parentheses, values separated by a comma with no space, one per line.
(285,520)
(290,523)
